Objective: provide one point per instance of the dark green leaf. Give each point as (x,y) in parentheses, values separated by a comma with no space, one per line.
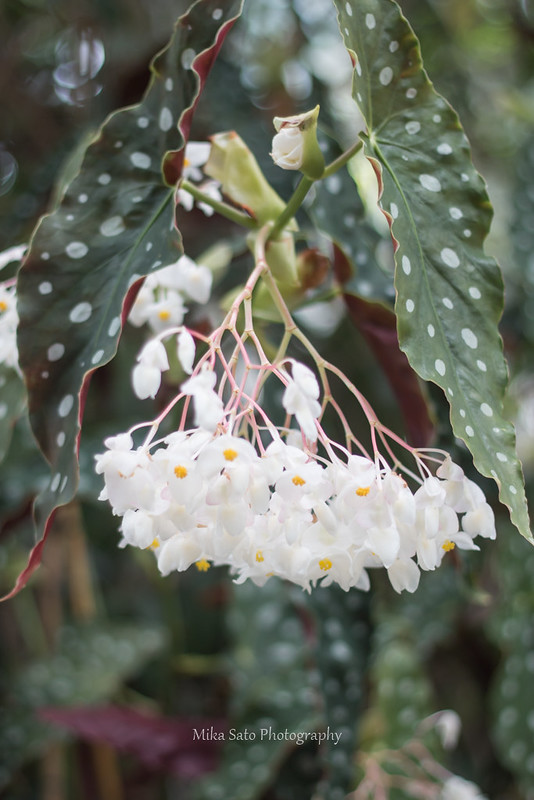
(449,293)
(114,225)
(12,402)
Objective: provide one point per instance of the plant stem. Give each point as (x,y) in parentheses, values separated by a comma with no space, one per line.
(343,159)
(221,208)
(293,205)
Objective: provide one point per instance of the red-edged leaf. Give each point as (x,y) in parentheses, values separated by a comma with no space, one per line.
(378,325)
(114,224)
(188,747)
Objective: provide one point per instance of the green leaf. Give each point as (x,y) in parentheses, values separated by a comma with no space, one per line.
(12,402)
(88,667)
(449,293)
(343,643)
(113,226)
(512,628)
(273,696)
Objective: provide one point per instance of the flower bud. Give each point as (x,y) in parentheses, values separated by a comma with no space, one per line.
(295,145)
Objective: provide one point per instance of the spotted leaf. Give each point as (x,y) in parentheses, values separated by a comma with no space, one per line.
(449,293)
(12,402)
(113,225)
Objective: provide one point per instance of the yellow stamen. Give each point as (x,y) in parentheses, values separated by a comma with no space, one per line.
(154,544)
(164,315)
(325,564)
(187,163)
(298,481)
(362,491)
(230,454)
(3,305)
(448,545)
(202,565)
(259,557)
(180,472)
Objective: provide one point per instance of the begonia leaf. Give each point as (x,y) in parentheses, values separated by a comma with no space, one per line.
(273,697)
(12,402)
(114,224)
(343,631)
(449,293)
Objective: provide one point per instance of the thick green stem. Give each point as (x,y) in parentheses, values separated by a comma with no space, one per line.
(221,208)
(343,159)
(293,205)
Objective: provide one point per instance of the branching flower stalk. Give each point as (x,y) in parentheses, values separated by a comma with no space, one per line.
(233,487)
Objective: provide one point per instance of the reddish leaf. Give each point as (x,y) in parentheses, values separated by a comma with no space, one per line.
(159,743)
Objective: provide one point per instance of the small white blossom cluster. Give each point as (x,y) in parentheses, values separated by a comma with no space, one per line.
(196,155)
(8,327)
(207,496)
(161,300)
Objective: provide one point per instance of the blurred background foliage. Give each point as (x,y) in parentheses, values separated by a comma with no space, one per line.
(105,667)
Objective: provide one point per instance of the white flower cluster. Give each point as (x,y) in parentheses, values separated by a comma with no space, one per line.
(202,498)
(9,320)
(161,300)
(196,155)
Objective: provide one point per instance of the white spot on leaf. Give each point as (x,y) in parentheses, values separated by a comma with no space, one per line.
(501,457)
(217,14)
(55,351)
(455,213)
(60,439)
(188,56)
(113,226)
(104,179)
(411,93)
(469,338)
(370,21)
(169,84)
(410,305)
(475,293)
(348,9)
(444,149)
(482,366)
(165,119)
(83,198)
(412,127)
(140,160)
(430,183)
(76,249)
(431,330)
(447,302)
(97,357)
(65,405)
(114,326)
(440,366)
(81,312)
(45,287)
(143,122)
(406,265)
(394,210)
(469,430)
(486,409)
(385,76)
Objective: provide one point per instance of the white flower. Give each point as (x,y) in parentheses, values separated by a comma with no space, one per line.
(146,376)
(448,726)
(207,404)
(288,148)
(186,350)
(196,155)
(8,327)
(300,399)
(194,279)
(404,575)
(456,788)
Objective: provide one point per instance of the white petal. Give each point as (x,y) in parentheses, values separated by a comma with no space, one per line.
(404,575)
(186,351)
